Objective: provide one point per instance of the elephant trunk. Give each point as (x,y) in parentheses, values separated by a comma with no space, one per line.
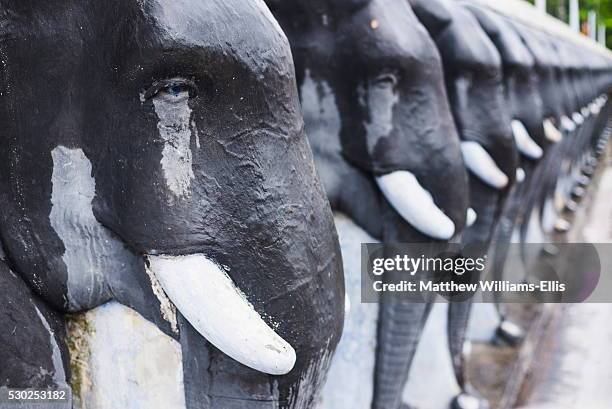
(399,329)
(487,203)
(458,318)
(214,380)
(400,323)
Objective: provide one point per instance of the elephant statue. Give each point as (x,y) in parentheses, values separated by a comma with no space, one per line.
(474,79)
(154,156)
(186,186)
(526,110)
(540,212)
(535,213)
(385,144)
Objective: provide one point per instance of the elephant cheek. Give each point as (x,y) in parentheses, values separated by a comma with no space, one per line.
(90,250)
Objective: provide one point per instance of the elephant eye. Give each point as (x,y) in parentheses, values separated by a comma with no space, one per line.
(172,89)
(176,90)
(386,80)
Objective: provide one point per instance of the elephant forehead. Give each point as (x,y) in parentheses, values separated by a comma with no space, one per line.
(513,51)
(103,34)
(539,48)
(507,41)
(245,29)
(467,43)
(388,34)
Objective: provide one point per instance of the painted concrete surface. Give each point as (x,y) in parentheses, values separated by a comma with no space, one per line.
(124,361)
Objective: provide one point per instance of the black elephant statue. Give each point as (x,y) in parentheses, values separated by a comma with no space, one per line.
(385,144)
(153,154)
(526,110)
(474,79)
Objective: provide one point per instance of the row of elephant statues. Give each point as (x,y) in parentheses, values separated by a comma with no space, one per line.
(170,171)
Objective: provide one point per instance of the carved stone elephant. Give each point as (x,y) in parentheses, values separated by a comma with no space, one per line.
(153,154)
(385,144)
(474,80)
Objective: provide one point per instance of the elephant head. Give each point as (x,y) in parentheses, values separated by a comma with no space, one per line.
(568,68)
(520,83)
(545,66)
(154,153)
(377,117)
(475,83)
(474,80)
(380,128)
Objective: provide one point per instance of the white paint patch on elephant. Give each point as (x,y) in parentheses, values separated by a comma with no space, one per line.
(167,309)
(131,364)
(175,128)
(321,116)
(323,124)
(350,382)
(59,376)
(380,98)
(90,249)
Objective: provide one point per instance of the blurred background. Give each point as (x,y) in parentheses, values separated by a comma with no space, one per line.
(591,17)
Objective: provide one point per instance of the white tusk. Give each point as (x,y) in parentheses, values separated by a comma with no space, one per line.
(471,217)
(481,164)
(585,112)
(551,131)
(520,175)
(525,144)
(576,117)
(208,298)
(601,102)
(415,204)
(568,124)
(595,108)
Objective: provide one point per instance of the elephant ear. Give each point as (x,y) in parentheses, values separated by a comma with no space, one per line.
(433,14)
